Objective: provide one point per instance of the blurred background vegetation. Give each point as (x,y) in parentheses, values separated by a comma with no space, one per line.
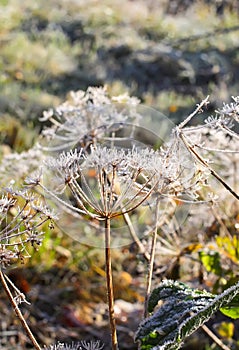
(170,54)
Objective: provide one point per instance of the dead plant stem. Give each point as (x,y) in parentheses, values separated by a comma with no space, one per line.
(135,236)
(215,338)
(206,165)
(18,311)
(151,263)
(109,281)
(195,112)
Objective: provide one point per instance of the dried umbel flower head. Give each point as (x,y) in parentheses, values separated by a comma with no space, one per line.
(22,215)
(81,345)
(85,118)
(112,182)
(86,122)
(230,110)
(216,139)
(92,345)
(106,182)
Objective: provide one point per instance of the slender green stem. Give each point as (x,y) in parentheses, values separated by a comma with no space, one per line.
(109,280)
(18,311)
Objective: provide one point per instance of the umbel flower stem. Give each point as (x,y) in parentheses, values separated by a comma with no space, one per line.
(109,281)
(18,311)
(206,165)
(151,262)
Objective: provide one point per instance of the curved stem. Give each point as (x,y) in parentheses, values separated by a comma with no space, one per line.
(18,311)
(109,281)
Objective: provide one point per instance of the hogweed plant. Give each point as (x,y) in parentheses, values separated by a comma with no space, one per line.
(22,216)
(184,310)
(124,180)
(109,173)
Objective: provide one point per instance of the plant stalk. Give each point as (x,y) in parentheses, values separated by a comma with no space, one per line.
(214,338)
(109,281)
(206,165)
(18,312)
(135,237)
(151,263)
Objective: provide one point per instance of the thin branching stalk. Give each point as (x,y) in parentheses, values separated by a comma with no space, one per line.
(195,112)
(205,164)
(135,236)
(14,223)
(229,131)
(66,205)
(214,338)
(216,149)
(18,311)
(109,281)
(151,262)
(235,183)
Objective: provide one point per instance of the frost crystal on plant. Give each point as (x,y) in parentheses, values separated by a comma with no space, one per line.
(17,166)
(22,214)
(92,345)
(105,182)
(85,118)
(183,311)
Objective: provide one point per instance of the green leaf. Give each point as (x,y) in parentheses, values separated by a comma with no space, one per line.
(211,261)
(182,312)
(232,312)
(232,308)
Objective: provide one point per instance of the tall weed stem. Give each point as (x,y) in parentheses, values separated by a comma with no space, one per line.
(109,281)
(18,311)
(151,262)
